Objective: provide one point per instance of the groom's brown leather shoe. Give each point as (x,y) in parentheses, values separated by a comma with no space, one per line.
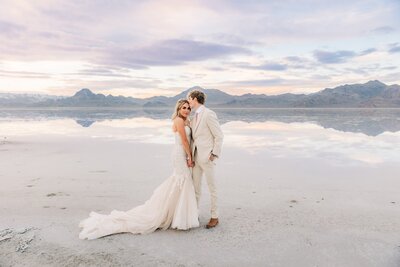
(212,223)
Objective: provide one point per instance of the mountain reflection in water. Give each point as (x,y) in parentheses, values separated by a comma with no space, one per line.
(371,122)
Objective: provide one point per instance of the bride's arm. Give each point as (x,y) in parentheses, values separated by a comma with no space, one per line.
(180,126)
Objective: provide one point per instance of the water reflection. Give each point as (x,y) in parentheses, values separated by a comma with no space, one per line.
(371,122)
(343,137)
(300,140)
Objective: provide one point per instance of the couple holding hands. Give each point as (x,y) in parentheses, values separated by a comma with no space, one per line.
(174,203)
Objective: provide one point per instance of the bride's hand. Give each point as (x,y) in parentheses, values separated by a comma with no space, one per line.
(190,163)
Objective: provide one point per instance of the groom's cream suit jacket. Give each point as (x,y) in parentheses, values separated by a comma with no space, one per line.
(207,135)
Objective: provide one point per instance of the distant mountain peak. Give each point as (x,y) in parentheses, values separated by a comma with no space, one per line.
(196,87)
(84,93)
(375,82)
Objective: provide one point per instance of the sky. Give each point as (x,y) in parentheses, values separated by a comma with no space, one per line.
(146,48)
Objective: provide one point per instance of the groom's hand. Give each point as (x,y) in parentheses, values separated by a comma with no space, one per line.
(212,157)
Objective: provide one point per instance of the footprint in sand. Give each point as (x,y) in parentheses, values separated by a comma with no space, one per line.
(61,208)
(293,201)
(59,194)
(33,182)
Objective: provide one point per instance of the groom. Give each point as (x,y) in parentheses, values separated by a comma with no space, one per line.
(206,148)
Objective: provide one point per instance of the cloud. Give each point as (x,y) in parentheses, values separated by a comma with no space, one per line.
(359,71)
(367,51)
(392,77)
(24,74)
(394,48)
(341,56)
(300,63)
(363,71)
(171,52)
(273,66)
(100,71)
(282,64)
(202,40)
(233,39)
(320,77)
(333,57)
(384,30)
(216,69)
(262,82)
(389,68)
(111,84)
(10,29)
(269,66)
(295,59)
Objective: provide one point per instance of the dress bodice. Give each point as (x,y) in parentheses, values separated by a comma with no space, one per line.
(179,154)
(178,140)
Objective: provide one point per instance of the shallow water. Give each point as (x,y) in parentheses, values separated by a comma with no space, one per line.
(341,136)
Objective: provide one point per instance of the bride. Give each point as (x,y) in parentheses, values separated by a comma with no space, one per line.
(173,203)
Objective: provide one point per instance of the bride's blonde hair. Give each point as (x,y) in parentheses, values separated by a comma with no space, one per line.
(179,104)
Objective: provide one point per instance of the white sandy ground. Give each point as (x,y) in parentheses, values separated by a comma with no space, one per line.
(274,212)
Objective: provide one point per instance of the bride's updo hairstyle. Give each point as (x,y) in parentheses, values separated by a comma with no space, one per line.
(178,107)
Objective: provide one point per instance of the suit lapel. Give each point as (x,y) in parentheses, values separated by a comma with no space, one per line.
(201,116)
(192,122)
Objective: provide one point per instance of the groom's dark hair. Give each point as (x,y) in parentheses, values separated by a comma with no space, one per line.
(201,97)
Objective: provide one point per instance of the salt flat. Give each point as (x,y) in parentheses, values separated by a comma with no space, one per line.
(291,194)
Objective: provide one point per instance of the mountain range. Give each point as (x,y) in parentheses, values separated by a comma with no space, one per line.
(373,94)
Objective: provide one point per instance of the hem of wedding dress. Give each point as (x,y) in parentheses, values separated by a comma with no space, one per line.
(176,228)
(184,229)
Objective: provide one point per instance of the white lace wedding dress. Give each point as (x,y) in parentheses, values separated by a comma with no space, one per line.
(172,205)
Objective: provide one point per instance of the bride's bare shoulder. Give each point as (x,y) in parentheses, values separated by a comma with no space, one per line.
(178,123)
(178,120)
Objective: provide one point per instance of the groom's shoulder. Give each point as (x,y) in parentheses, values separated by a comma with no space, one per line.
(210,112)
(207,110)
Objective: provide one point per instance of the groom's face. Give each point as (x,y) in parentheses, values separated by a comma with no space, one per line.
(191,101)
